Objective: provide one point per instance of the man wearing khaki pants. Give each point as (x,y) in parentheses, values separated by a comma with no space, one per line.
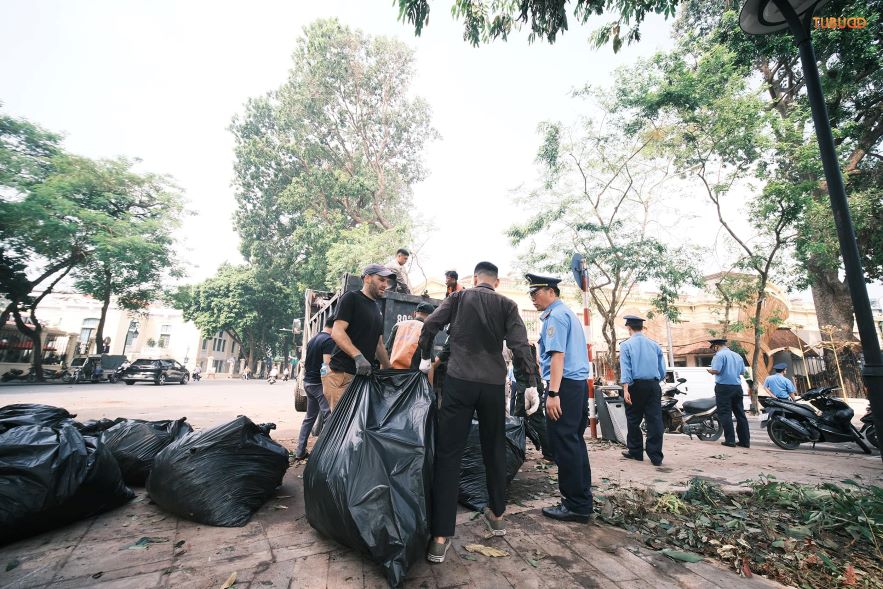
(358,333)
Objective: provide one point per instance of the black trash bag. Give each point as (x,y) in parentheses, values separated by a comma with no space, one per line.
(367,482)
(33,414)
(473,484)
(219,476)
(95,427)
(135,444)
(52,477)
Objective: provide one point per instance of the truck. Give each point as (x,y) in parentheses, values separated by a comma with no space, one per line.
(320,305)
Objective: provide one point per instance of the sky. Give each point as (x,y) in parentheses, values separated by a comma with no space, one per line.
(160,80)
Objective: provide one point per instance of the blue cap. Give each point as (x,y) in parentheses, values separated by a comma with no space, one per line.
(780,366)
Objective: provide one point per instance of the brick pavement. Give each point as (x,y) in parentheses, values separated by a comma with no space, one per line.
(278,548)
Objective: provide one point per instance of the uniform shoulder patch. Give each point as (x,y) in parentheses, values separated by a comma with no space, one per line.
(550,331)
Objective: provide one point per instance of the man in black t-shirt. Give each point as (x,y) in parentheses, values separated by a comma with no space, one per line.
(319,351)
(358,333)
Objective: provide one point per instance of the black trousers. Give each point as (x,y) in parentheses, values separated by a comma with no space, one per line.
(461,399)
(646,406)
(568,447)
(729,403)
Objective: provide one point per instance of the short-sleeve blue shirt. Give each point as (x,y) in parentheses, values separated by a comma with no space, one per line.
(779,385)
(729,365)
(640,358)
(562,332)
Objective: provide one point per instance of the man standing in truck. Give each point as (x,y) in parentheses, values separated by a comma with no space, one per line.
(358,333)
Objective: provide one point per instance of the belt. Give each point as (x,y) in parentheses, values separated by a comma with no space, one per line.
(645,380)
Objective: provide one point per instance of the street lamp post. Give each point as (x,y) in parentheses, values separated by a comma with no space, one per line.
(760,17)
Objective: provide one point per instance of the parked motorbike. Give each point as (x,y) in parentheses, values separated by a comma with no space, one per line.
(698,417)
(790,424)
(30,376)
(869,429)
(196,376)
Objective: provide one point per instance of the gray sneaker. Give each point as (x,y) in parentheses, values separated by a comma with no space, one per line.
(436,552)
(496,526)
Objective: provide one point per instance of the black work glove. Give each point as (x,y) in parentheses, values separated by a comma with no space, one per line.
(363,367)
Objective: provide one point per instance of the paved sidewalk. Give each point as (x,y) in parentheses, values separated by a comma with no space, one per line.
(278,548)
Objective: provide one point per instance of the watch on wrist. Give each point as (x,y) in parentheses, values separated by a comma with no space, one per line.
(552,393)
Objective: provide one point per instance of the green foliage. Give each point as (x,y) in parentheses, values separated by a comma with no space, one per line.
(130,258)
(360,246)
(242,300)
(487,21)
(335,148)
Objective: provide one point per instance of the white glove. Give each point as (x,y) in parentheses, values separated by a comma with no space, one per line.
(425,365)
(531,400)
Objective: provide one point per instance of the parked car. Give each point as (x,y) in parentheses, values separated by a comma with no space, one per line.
(159,372)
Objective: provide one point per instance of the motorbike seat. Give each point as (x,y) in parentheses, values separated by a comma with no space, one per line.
(699,405)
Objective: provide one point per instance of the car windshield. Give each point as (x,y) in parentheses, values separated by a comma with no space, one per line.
(78,361)
(144,363)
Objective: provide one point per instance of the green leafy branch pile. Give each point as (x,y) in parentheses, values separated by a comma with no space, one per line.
(800,535)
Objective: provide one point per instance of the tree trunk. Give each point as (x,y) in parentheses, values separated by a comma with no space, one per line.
(99,331)
(758,333)
(33,334)
(833,304)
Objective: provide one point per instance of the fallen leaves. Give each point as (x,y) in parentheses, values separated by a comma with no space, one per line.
(682,556)
(486,550)
(146,541)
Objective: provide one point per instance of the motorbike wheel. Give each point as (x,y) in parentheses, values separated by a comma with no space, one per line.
(66,378)
(112,378)
(780,435)
(712,430)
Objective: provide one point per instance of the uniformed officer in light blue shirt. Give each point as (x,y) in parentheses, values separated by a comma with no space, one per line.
(779,385)
(642,367)
(564,363)
(727,367)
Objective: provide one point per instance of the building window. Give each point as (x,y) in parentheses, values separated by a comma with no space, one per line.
(165,334)
(88,330)
(204,344)
(219,366)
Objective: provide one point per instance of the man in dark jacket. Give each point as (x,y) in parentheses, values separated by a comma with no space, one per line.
(480,321)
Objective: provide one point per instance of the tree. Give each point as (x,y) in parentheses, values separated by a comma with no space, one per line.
(600,197)
(851,67)
(44,229)
(337,147)
(130,259)
(486,21)
(697,101)
(247,303)
(60,213)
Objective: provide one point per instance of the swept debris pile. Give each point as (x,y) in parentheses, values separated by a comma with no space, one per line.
(801,535)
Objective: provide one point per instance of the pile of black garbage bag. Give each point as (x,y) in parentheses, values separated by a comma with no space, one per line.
(473,484)
(218,476)
(55,470)
(51,474)
(135,444)
(368,480)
